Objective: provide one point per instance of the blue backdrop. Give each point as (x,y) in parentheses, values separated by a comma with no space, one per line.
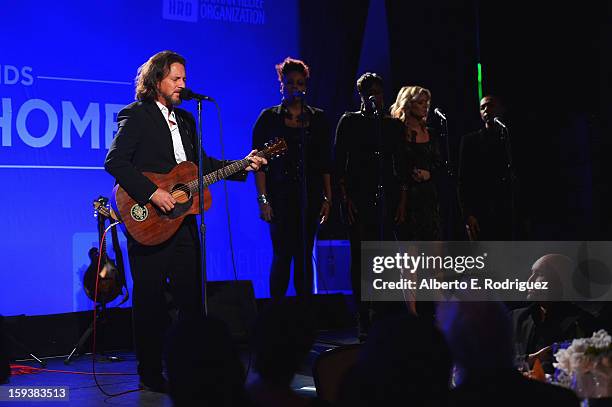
(66,69)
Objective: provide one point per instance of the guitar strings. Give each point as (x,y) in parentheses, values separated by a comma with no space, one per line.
(213,177)
(191,186)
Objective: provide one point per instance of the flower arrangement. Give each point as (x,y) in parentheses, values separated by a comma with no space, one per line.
(587,365)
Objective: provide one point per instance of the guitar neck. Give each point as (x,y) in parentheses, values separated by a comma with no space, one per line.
(221,173)
(225,172)
(101,224)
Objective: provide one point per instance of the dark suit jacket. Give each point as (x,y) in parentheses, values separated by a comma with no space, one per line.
(565,322)
(144,143)
(483,179)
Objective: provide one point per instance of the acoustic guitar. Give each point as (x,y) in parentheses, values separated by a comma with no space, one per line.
(111,278)
(148,225)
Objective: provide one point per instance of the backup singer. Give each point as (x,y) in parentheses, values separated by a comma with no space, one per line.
(485,183)
(279,188)
(154,135)
(370,172)
(421,146)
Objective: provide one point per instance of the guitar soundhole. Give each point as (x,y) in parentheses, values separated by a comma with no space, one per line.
(181,193)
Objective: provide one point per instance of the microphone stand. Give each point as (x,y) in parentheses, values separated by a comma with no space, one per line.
(304,201)
(505,136)
(380,190)
(201,198)
(444,135)
(449,171)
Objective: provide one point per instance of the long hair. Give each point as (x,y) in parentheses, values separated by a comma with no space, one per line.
(154,70)
(405,97)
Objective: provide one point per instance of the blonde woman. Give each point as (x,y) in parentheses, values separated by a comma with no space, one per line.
(423,156)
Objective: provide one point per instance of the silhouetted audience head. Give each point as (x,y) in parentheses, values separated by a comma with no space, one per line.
(556,270)
(405,361)
(479,334)
(284,334)
(203,365)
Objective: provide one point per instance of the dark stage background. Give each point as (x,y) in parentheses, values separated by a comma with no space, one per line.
(549,62)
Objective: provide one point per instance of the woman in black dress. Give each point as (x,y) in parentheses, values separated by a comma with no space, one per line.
(423,155)
(280,187)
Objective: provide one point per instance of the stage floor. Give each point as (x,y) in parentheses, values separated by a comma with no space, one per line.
(84,392)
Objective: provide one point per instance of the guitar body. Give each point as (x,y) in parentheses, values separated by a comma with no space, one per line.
(111,276)
(150,226)
(147,224)
(110,282)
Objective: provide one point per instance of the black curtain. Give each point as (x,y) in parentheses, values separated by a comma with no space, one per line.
(546,62)
(433,45)
(331,36)
(550,65)
(602,142)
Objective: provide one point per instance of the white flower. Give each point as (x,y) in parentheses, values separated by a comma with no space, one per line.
(579,345)
(576,358)
(562,357)
(601,340)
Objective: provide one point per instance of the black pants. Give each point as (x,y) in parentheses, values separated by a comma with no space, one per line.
(170,270)
(366,228)
(496,223)
(287,246)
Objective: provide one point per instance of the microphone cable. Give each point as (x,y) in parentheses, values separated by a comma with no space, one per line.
(95,315)
(226,192)
(28,369)
(244,322)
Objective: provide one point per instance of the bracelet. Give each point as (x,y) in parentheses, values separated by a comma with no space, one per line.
(262,199)
(404,188)
(326,199)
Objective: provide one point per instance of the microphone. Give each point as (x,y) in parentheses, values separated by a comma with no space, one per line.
(439,113)
(498,121)
(373,105)
(188,94)
(299,94)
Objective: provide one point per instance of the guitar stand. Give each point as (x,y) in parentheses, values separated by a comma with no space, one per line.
(100,319)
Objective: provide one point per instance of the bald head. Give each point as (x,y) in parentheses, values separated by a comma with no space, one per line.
(555,269)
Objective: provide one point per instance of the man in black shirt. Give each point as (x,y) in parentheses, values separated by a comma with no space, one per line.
(371,175)
(549,319)
(485,178)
